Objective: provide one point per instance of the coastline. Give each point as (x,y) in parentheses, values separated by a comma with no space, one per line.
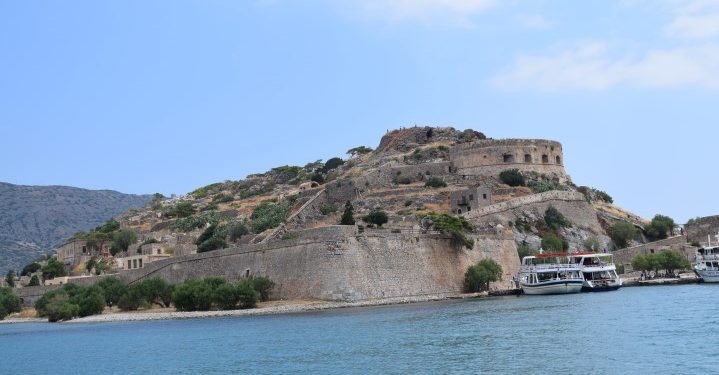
(271,308)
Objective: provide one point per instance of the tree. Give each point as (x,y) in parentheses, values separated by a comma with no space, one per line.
(182,209)
(122,240)
(512,177)
(9,303)
(54,268)
(157,291)
(112,289)
(34,281)
(226,296)
(214,243)
(236,230)
(132,299)
(552,242)
(248,295)
(478,277)
(660,228)
(361,150)
(332,164)
(435,182)
(10,278)
(376,217)
(348,215)
(192,295)
(457,226)
(641,263)
(622,232)
(90,301)
(671,260)
(30,268)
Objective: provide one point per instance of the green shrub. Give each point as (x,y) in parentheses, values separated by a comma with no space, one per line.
(90,301)
(10,278)
(603,196)
(478,277)
(671,260)
(551,242)
(53,269)
(328,208)
(332,164)
(660,227)
(554,219)
(376,217)
(112,289)
(156,291)
(226,296)
(269,215)
(348,215)
(263,286)
(622,232)
(457,226)
(361,150)
(214,243)
(523,250)
(264,189)
(544,186)
(403,180)
(248,295)
(70,301)
(195,222)
(9,303)
(435,182)
(222,198)
(512,177)
(122,240)
(290,236)
(132,299)
(31,268)
(193,295)
(34,281)
(180,210)
(235,230)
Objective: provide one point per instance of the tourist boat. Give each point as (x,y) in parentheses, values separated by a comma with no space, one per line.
(549,273)
(706,264)
(597,270)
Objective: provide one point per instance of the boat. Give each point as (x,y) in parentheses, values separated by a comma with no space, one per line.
(549,273)
(706,264)
(598,271)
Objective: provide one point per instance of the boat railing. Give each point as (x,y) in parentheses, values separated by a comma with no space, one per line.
(549,266)
(701,257)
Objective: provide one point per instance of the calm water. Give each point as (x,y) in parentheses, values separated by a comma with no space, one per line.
(669,330)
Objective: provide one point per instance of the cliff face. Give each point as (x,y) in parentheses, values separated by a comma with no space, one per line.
(35,219)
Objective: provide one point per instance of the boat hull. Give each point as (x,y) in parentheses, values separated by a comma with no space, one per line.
(553,287)
(708,276)
(607,288)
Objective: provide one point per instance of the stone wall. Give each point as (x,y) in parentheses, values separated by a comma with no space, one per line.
(339,263)
(678,243)
(699,229)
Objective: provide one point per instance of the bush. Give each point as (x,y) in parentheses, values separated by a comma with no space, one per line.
(10,278)
(376,217)
(478,277)
(328,208)
(552,242)
(554,219)
(269,215)
(34,281)
(622,232)
(53,269)
(671,260)
(332,164)
(226,296)
(9,303)
(235,231)
(193,295)
(90,301)
(263,286)
(214,243)
(70,301)
(112,289)
(180,210)
(132,299)
(457,226)
(248,295)
(544,186)
(603,196)
(435,182)
(512,177)
(222,198)
(348,215)
(156,291)
(660,228)
(194,222)
(523,250)
(31,268)
(361,150)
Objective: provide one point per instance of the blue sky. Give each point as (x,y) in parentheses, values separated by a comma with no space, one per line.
(167,96)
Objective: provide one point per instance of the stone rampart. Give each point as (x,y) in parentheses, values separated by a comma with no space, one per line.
(678,243)
(339,263)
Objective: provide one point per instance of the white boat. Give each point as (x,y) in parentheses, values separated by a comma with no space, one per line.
(706,264)
(598,271)
(549,274)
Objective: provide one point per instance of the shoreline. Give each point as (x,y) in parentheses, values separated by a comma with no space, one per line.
(275,308)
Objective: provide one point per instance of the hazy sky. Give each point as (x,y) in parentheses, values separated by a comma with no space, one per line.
(166,96)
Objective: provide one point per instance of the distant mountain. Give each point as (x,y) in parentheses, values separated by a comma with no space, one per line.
(35,219)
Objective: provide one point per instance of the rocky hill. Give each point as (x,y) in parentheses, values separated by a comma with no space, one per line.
(35,219)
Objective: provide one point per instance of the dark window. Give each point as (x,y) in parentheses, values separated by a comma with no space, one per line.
(651,251)
(471,197)
(459,211)
(559,160)
(527,158)
(484,196)
(129,264)
(545,159)
(469,208)
(508,158)
(84,249)
(140,262)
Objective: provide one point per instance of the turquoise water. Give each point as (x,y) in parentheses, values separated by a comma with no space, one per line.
(669,330)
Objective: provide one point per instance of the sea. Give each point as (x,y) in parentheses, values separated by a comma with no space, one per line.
(641,330)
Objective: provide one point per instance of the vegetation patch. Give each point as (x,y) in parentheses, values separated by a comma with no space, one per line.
(269,215)
(478,277)
(512,177)
(435,182)
(457,226)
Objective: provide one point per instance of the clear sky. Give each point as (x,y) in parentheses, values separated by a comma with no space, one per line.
(166,96)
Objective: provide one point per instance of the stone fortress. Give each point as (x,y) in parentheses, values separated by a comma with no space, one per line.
(309,256)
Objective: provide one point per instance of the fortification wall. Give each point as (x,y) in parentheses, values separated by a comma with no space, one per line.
(490,157)
(338,263)
(571,204)
(678,243)
(699,229)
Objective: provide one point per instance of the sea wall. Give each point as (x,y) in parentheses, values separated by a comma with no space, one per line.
(341,264)
(678,243)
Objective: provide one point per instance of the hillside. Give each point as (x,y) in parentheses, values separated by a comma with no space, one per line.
(35,219)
